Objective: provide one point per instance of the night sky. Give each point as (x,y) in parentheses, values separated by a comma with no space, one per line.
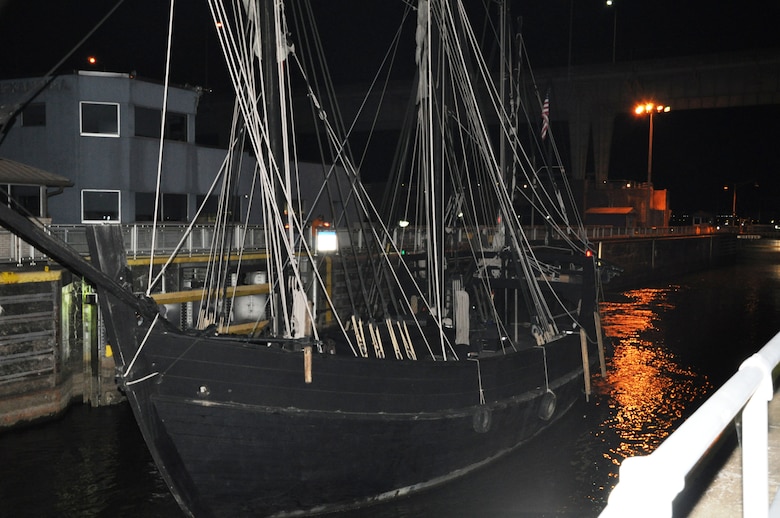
(695,152)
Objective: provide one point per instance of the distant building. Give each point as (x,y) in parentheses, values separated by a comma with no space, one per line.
(650,206)
(619,217)
(101,132)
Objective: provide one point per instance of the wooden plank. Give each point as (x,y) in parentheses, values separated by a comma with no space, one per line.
(195,258)
(44,275)
(243,329)
(180,297)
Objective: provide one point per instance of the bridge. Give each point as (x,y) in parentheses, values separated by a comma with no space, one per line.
(588,98)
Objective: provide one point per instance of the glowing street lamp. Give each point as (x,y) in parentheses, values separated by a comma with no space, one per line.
(650,108)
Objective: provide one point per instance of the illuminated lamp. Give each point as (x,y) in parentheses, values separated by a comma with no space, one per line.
(327,241)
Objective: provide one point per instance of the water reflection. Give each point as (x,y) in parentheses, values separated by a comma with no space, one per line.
(647,389)
(92,462)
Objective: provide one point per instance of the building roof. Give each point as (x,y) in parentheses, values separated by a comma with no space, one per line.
(16,173)
(610,210)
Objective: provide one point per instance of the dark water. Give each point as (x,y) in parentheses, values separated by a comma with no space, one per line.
(671,344)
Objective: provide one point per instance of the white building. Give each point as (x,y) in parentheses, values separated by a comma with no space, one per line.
(101,131)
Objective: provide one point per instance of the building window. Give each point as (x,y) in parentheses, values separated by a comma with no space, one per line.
(147,124)
(211,209)
(100,206)
(26,199)
(99,119)
(173,207)
(34,115)
(29,197)
(176,126)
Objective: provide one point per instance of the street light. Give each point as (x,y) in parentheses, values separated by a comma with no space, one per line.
(611,4)
(734,197)
(651,109)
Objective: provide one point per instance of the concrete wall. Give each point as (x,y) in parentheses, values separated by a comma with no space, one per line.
(646,259)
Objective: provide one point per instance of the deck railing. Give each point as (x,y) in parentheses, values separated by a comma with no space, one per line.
(648,485)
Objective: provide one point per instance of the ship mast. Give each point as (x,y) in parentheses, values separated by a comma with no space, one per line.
(274,149)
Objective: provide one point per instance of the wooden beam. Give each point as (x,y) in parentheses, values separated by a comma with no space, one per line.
(180,297)
(195,258)
(243,329)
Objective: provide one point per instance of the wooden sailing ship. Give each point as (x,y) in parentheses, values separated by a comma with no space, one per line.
(423,362)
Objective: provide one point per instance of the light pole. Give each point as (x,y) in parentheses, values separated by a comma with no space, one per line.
(734,197)
(611,3)
(651,109)
(733,203)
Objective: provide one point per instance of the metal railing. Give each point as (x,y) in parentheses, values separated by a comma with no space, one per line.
(648,485)
(598,233)
(138,238)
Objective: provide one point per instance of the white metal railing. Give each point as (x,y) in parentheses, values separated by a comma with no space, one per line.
(138,238)
(648,485)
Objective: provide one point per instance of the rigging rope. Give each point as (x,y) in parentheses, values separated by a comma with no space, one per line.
(160,152)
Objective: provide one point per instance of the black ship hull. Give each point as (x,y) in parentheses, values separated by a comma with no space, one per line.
(240,432)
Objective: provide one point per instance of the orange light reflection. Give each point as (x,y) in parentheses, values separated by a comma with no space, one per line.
(646,388)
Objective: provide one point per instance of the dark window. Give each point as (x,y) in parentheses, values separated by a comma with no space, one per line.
(147,124)
(176,126)
(26,199)
(100,206)
(173,207)
(34,115)
(211,209)
(29,197)
(100,119)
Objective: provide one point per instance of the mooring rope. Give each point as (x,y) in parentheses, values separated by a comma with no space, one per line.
(479,381)
(546,374)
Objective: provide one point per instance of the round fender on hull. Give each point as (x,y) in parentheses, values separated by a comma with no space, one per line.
(547,405)
(483,418)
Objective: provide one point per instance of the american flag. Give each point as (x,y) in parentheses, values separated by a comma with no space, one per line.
(545,116)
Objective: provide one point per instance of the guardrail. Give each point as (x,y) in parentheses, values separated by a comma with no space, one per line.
(648,485)
(598,233)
